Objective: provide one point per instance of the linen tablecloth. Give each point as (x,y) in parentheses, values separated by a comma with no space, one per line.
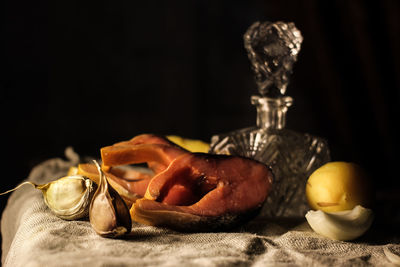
(33,236)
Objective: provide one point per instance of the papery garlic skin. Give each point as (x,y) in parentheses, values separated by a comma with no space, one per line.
(69,197)
(341,225)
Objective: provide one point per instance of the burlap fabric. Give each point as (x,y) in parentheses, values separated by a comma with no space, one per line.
(33,236)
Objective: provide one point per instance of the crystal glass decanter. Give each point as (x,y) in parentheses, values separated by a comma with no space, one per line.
(272,49)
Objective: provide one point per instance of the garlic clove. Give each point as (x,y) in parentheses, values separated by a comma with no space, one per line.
(108,213)
(69,197)
(341,225)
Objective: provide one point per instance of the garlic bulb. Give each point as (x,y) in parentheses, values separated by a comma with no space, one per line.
(68,197)
(108,213)
(341,225)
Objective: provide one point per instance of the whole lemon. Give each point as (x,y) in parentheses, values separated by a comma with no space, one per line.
(338,186)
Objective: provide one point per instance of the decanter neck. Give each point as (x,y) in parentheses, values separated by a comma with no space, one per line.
(271,111)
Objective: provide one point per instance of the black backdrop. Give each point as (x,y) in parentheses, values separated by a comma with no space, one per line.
(87,75)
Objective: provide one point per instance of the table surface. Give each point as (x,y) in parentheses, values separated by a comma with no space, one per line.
(33,236)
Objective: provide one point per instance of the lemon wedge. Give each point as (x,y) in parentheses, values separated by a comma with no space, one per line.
(193,145)
(341,225)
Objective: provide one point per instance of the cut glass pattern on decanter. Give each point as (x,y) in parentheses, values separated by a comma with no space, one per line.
(272,49)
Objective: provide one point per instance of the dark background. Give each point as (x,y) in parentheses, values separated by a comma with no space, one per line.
(88,75)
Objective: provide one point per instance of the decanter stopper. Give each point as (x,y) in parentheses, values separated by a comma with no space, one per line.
(272,49)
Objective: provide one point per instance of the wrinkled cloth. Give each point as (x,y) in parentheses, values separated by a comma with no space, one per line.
(33,236)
